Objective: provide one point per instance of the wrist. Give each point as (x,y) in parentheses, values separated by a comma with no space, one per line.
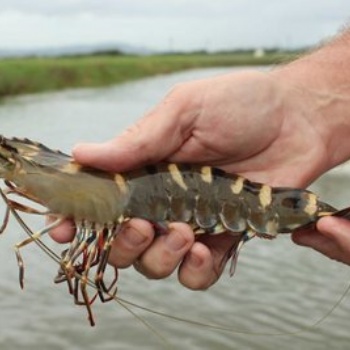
(318,86)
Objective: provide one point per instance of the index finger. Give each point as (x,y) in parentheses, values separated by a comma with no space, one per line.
(153,138)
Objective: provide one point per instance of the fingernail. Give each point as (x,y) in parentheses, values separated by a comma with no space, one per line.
(175,241)
(133,237)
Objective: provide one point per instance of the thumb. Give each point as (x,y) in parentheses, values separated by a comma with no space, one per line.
(332,238)
(337,229)
(153,138)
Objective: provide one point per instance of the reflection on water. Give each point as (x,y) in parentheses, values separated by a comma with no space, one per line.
(278,287)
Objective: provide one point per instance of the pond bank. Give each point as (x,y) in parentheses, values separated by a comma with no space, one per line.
(32,75)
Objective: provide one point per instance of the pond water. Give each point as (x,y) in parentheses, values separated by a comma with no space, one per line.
(278,287)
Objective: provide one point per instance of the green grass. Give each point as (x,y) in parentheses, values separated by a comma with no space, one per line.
(31,75)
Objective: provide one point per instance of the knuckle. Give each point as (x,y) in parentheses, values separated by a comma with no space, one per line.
(176,90)
(160,268)
(119,258)
(178,95)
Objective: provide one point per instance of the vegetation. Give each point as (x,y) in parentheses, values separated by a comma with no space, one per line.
(29,75)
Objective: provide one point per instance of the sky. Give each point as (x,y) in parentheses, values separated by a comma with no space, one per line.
(166,25)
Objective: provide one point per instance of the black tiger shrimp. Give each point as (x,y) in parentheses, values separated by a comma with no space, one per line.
(209,199)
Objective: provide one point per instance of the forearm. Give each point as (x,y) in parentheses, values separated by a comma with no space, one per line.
(320,84)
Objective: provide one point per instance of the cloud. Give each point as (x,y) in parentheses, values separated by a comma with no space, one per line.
(161,24)
(180,8)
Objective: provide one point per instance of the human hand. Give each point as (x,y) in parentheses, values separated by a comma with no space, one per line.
(332,238)
(248,123)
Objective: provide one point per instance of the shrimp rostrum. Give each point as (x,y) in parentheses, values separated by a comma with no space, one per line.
(209,199)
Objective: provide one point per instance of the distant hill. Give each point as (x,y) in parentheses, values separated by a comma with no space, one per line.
(74,50)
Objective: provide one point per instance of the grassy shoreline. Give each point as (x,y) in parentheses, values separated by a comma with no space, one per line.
(32,75)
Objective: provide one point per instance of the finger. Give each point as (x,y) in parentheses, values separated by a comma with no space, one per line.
(63,233)
(332,238)
(151,139)
(134,238)
(167,251)
(197,270)
(335,228)
(310,238)
(205,263)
